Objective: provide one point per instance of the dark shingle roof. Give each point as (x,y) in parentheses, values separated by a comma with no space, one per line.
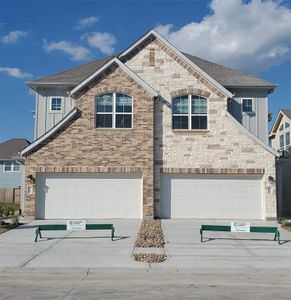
(73,76)
(9,149)
(228,77)
(287,112)
(225,76)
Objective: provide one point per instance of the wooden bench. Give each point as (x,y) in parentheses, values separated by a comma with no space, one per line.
(259,229)
(54,227)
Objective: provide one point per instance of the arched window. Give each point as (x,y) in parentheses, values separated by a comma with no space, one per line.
(113,110)
(189,112)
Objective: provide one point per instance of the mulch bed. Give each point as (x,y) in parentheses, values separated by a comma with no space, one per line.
(6,227)
(287,227)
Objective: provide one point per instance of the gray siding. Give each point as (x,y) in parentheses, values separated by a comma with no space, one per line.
(256,122)
(10,179)
(284,187)
(44,118)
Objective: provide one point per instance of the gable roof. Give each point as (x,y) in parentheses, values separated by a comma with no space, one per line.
(10,149)
(115,60)
(222,76)
(287,113)
(153,33)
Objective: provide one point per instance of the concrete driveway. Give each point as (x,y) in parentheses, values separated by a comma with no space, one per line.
(235,251)
(94,249)
(87,265)
(83,249)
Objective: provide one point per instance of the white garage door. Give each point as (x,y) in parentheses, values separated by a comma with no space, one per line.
(85,196)
(211,196)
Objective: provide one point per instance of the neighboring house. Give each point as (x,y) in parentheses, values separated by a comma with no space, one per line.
(151,132)
(279,137)
(280,140)
(11,164)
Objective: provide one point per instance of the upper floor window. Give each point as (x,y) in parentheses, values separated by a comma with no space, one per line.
(281,127)
(11,166)
(113,110)
(287,125)
(189,112)
(282,141)
(56,104)
(247,105)
(287,139)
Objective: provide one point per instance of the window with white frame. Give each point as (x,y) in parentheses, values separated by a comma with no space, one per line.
(287,125)
(113,110)
(287,139)
(189,112)
(56,104)
(281,127)
(282,141)
(11,166)
(247,105)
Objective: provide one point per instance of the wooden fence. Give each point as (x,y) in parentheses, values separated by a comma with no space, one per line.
(10,195)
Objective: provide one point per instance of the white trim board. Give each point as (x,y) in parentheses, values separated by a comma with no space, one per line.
(67,118)
(182,56)
(124,68)
(253,137)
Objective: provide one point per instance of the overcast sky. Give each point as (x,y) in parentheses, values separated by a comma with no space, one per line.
(38,38)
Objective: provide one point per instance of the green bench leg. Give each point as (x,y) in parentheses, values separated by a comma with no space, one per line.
(112,233)
(277,237)
(201,235)
(37,233)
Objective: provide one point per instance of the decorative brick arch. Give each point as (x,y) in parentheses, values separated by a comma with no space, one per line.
(113,89)
(188,91)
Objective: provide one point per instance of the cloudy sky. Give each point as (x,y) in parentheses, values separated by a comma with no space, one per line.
(49,36)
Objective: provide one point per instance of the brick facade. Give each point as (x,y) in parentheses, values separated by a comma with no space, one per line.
(80,147)
(152,147)
(222,149)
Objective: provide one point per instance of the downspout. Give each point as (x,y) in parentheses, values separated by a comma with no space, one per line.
(21,160)
(22,189)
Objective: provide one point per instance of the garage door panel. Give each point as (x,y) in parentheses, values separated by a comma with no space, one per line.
(211,196)
(84,196)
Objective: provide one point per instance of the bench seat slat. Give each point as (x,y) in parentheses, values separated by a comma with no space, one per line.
(259,229)
(54,227)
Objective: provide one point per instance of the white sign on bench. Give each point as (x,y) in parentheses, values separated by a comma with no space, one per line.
(76,225)
(239,227)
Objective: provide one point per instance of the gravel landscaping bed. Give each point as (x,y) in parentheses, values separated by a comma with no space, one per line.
(150,235)
(149,257)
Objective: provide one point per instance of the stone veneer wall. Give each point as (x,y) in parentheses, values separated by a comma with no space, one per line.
(223,149)
(80,147)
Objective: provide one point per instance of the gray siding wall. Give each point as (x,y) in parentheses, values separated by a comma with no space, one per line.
(256,122)
(284,187)
(10,179)
(44,118)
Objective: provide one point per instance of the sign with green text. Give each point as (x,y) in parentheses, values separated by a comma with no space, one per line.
(76,225)
(239,227)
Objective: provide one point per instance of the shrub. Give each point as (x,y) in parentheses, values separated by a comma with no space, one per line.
(8,210)
(283,222)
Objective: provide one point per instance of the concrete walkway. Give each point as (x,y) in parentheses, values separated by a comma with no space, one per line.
(236,251)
